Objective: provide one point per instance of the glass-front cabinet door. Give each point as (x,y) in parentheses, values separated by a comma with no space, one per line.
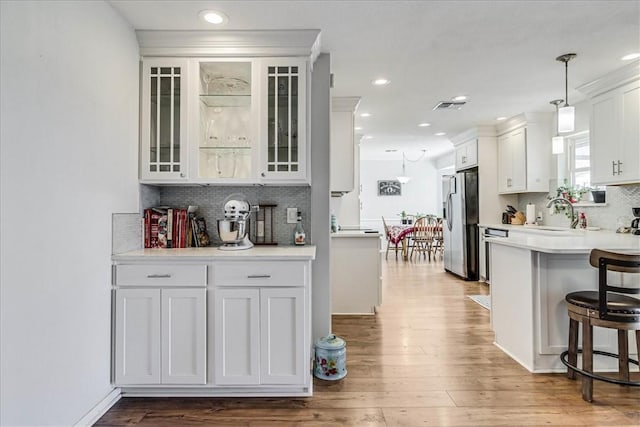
(226,130)
(163,132)
(283,130)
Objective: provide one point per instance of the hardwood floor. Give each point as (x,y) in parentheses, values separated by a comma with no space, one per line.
(426,359)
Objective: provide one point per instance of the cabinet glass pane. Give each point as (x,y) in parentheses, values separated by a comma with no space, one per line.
(225,120)
(282,106)
(164,132)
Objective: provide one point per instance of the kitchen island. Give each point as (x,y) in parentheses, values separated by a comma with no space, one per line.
(207,322)
(531,272)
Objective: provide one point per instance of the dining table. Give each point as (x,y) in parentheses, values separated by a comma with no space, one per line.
(401,234)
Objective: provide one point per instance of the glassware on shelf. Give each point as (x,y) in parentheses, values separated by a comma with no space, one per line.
(237,128)
(223,164)
(212,133)
(206,78)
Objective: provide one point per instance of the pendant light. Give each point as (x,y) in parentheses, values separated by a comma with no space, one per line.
(566,113)
(403,178)
(557,142)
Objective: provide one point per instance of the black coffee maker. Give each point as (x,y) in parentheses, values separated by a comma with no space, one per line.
(635,224)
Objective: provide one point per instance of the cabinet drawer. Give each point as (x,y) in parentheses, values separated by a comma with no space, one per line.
(161,275)
(278,273)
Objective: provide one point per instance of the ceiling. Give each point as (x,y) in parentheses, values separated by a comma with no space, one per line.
(500,54)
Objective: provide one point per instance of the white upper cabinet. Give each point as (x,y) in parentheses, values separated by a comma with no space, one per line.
(210,118)
(163,122)
(342,164)
(615,126)
(224,126)
(467,155)
(283,121)
(524,153)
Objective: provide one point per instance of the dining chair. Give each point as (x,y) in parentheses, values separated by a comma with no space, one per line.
(423,237)
(438,239)
(391,240)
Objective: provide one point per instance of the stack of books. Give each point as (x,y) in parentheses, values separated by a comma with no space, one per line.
(166,227)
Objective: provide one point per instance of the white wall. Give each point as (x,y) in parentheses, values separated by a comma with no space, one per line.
(69,109)
(418,195)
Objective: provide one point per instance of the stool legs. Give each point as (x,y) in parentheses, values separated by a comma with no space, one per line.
(587,360)
(623,355)
(573,347)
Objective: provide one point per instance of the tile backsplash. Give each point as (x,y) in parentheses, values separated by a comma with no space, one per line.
(615,213)
(210,201)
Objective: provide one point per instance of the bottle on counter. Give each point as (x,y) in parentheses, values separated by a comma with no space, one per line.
(583,220)
(334,223)
(299,236)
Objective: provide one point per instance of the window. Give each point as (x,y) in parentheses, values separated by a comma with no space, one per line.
(579,160)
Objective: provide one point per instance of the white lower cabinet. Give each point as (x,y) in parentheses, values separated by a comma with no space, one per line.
(160,336)
(261,329)
(237,336)
(282,323)
(137,336)
(226,328)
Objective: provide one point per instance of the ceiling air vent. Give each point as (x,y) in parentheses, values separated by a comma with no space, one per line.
(449,105)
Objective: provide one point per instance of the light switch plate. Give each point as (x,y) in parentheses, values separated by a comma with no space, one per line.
(292,215)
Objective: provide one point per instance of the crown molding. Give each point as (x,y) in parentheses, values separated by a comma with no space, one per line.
(612,80)
(345,103)
(254,43)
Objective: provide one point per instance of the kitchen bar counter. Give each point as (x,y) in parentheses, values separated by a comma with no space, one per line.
(531,273)
(563,241)
(307,252)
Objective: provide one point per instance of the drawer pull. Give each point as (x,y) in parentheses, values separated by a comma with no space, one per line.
(158,276)
(259,276)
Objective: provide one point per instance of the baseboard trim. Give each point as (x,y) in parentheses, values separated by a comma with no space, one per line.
(100,408)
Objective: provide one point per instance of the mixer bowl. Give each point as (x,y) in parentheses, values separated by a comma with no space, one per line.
(636,212)
(231,230)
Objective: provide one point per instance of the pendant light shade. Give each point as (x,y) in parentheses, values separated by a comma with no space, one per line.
(566,119)
(557,145)
(557,142)
(403,178)
(566,113)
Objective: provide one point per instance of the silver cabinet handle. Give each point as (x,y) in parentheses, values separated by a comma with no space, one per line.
(613,167)
(158,276)
(464,159)
(259,276)
(619,167)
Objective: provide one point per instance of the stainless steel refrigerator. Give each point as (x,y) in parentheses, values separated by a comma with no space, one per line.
(460,225)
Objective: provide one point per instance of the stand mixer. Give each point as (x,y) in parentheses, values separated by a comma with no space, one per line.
(233,228)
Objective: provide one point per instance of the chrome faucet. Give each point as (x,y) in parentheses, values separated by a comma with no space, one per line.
(574,217)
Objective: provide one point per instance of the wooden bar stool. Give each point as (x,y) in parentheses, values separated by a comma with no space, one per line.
(608,307)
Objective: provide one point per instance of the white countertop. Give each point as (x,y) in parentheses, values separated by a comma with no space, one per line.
(356,233)
(565,241)
(307,252)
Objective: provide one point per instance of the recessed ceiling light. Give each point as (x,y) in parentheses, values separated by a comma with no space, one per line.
(424,125)
(357,128)
(459,98)
(365,115)
(440,134)
(380,82)
(390,151)
(213,17)
(630,56)
(501,118)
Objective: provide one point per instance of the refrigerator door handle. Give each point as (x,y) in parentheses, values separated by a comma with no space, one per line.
(449,216)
